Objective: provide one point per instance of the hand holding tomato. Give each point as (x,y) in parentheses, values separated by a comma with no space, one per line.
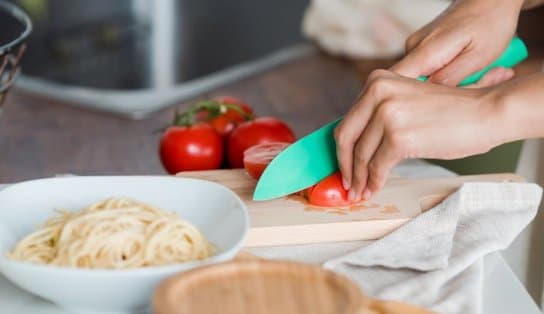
(329,192)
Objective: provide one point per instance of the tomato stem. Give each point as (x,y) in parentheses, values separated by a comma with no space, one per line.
(182,119)
(247,116)
(212,109)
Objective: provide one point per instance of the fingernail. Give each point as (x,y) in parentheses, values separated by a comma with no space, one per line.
(367,194)
(345,184)
(352,196)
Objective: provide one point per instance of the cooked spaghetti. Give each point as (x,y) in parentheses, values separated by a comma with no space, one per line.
(115,233)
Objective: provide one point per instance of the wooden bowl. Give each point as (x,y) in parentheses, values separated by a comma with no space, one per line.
(267,287)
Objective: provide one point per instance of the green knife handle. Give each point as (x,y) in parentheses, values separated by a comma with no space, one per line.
(514,54)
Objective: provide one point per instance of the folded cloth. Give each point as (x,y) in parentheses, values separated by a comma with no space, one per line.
(367,28)
(435,260)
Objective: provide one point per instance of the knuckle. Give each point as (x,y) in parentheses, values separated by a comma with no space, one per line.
(380,87)
(360,157)
(376,74)
(341,137)
(401,143)
(389,111)
(375,171)
(359,179)
(396,140)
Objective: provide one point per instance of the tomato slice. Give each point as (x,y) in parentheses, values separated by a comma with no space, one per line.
(257,158)
(329,192)
(255,132)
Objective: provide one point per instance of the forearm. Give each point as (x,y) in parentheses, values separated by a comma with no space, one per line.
(529,4)
(482,5)
(524,4)
(518,109)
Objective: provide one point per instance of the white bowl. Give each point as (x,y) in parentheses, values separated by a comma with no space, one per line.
(215,210)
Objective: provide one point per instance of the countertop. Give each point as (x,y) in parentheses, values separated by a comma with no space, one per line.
(503,294)
(502,291)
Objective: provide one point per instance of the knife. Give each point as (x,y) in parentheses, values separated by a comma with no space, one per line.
(313,157)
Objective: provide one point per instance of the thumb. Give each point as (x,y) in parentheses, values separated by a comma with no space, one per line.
(466,63)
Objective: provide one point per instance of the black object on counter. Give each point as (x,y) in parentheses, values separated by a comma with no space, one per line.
(15,26)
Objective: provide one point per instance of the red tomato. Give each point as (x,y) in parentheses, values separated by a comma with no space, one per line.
(222,113)
(222,125)
(328,192)
(251,133)
(257,158)
(234,115)
(197,147)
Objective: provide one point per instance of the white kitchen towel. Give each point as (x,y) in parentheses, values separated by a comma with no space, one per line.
(367,28)
(435,260)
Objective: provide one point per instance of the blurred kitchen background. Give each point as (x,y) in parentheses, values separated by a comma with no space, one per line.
(133,58)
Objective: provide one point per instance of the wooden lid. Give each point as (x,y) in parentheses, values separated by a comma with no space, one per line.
(268,287)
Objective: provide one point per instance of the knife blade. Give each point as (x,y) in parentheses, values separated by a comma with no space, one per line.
(300,165)
(313,157)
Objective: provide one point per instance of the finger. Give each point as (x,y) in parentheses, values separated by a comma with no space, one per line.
(345,135)
(494,77)
(464,65)
(415,38)
(412,41)
(366,146)
(428,57)
(349,130)
(379,168)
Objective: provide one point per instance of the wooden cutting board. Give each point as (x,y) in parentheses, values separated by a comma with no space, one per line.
(290,220)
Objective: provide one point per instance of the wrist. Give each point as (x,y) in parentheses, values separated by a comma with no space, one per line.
(515,110)
(492,113)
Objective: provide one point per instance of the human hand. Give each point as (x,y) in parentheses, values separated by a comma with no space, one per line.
(465,38)
(396,118)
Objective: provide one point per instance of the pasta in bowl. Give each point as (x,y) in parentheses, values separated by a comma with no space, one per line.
(101,244)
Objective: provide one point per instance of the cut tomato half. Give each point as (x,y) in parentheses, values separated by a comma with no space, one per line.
(257,158)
